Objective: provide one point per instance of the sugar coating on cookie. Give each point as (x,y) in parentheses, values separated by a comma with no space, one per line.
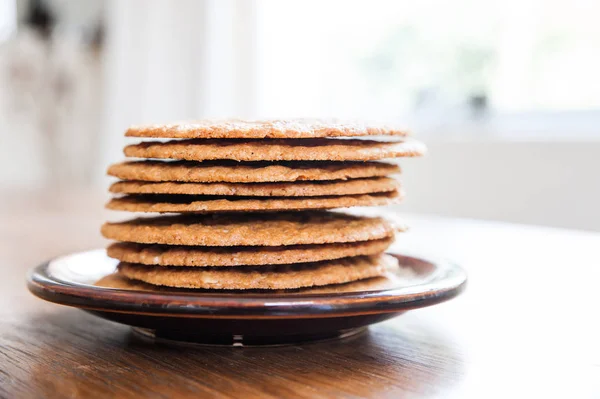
(282,129)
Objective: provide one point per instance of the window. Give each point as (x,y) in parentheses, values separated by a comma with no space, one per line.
(461,67)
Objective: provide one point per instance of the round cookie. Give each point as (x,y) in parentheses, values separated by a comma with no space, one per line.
(209,204)
(384,282)
(255,172)
(276,149)
(282,129)
(256,229)
(286,189)
(164,255)
(262,277)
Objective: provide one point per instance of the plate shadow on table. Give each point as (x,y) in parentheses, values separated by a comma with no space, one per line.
(76,354)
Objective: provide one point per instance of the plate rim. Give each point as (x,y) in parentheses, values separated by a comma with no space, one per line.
(452,282)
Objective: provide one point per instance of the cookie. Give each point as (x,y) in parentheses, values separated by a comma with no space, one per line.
(384,282)
(289,189)
(389,280)
(276,129)
(262,277)
(276,149)
(253,172)
(167,203)
(260,229)
(164,255)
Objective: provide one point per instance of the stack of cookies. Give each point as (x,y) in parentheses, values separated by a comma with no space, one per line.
(246,203)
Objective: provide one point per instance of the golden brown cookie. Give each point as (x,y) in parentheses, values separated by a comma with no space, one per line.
(276,149)
(285,189)
(261,229)
(165,255)
(386,281)
(383,282)
(166,203)
(262,277)
(276,129)
(253,172)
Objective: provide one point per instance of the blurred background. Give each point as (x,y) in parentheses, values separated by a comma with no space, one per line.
(505,94)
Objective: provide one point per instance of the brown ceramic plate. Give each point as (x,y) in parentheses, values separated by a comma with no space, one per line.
(244,317)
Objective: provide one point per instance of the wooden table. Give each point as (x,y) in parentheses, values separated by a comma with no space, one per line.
(527,325)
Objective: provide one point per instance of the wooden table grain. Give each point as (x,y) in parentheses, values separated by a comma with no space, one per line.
(527,325)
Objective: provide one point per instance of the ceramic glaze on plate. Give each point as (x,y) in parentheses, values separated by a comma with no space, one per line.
(244,317)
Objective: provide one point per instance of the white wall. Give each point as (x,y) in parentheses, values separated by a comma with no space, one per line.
(553,184)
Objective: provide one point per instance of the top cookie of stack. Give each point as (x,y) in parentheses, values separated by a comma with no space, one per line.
(219,167)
